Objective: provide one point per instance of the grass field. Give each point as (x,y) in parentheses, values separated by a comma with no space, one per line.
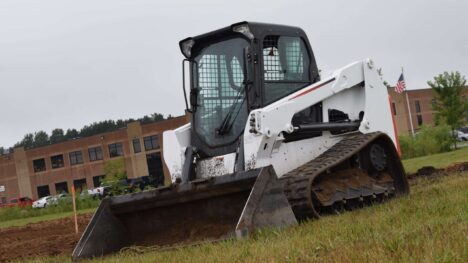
(440,160)
(462,144)
(29,220)
(430,225)
(21,217)
(16,216)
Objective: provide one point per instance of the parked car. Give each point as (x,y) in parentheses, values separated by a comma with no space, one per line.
(462,134)
(99,192)
(42,202)
(59,198)
(20,202)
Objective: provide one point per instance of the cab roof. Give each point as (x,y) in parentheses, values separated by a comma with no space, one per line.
(257,31)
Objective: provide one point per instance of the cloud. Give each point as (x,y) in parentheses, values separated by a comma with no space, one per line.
(64,64)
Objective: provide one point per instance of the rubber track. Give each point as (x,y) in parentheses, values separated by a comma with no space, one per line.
(298,181)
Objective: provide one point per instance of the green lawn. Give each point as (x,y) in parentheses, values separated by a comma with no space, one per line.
(28,220)
(440,160)
(430,225)
(16,216)
(37,215)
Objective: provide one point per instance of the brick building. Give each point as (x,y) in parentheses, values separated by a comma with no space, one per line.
(52,169)
(420,103)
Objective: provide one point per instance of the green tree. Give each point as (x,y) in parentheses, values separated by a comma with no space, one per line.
(386,84)
(115,174)
(451,108)
(71,134)
(27,141)
(157,117)
(2,151)
(41,138)
(98,127)
(145,119)
(56,136)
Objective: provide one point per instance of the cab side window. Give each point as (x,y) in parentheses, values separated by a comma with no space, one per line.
(285,65)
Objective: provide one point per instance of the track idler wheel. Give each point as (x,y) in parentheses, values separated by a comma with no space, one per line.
(378,157)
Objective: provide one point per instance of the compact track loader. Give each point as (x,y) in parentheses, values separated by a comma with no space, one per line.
(269,144)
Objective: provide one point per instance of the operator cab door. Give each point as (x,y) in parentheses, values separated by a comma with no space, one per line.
(221,102)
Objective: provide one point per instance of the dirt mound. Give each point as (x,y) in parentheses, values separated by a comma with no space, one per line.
(427,170)
(430,171)
(46,238)
(457,167)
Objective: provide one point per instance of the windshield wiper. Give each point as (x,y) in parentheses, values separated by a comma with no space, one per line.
(226,125)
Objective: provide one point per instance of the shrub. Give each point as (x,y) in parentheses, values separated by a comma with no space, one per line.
(116,176)
(429,140)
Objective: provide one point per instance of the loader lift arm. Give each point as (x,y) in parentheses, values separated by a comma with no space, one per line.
(268,125)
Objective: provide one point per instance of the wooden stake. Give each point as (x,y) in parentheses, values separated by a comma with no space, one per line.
(74,209)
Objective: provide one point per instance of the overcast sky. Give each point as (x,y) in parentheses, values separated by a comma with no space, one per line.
(64,64)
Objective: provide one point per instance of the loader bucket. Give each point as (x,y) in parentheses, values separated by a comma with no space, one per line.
(202,210)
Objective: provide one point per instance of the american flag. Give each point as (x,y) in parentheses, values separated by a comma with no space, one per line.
(400,86)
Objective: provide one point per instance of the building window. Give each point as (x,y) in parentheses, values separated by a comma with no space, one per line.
(417,105)
(57,161)
(394,108)
(115,150)
(97,180)
(155,168)
(43,191)
(39,165)
(76,157)
(95,154)
(434,102)
(136,145)
(80,185)
(151,142)
(420,120)
(61,187)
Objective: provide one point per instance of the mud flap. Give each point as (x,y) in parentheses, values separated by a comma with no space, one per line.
(267,205)
(203,210)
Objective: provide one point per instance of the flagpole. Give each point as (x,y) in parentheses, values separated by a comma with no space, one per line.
(409,108)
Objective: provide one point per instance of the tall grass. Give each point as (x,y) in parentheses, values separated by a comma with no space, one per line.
(430,225)
(429,140)
(64,205)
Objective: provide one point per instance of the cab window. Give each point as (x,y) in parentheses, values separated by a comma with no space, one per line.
(286,66)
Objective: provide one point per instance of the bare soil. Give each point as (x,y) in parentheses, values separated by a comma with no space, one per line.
(47,238)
